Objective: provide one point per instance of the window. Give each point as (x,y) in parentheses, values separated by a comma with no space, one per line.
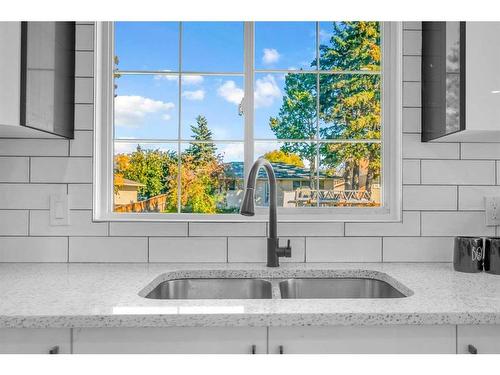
(184,108)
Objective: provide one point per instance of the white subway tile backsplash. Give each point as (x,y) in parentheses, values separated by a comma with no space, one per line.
(412,42)
(80,225)
(410,226)
(25,196)
(108,249)
(472,197)
(459,223)
(14,169)
(189,249)
(84,116)
(33,249)
(80,196)
(311,229)
(343,249)
(411,171)
(13,223)
(84,63)
(84,90)
(70,170)
(498,172)
(418,249)
(227,229)
(150,229)
(33,147)
(412,68)
(428,197)
(412,120)
(254,249)
(458,172)
(81,145)
(480,151)
(84,39)
(411,94)
(414,148)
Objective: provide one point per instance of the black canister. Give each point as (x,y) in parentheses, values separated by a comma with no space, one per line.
(468,254)
(492,255)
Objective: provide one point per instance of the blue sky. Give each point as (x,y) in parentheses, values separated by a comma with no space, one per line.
(147,105)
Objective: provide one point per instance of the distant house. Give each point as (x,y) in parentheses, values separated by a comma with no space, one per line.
(127,192)
(289,177)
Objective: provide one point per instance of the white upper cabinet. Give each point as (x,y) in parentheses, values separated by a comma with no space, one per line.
(37,79)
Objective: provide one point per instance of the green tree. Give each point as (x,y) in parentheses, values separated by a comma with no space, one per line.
(349,104)
(147,167)
(297,118)
(202,152)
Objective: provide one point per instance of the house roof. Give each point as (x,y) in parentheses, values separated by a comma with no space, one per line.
(127,182)
(283,171)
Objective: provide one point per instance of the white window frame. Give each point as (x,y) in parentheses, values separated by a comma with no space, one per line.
(391,175)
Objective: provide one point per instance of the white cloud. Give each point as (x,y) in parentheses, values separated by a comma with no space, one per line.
(186,79)
(194,95)
(266,91)
(192,80)
(231,151)
(125,148)
(270,56)
(166,77)
(231,92)
(130,110)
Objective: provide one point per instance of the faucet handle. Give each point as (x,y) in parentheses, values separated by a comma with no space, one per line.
(287,250)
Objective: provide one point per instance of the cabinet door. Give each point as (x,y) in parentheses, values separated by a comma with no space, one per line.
(484,338)
(34,340)
(362,340)
(174,340)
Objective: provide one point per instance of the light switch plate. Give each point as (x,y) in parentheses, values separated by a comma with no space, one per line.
(59,209)
(492,206)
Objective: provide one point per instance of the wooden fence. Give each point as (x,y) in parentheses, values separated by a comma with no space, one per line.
(154,204)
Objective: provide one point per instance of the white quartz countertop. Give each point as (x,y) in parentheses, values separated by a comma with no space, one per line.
(107,295)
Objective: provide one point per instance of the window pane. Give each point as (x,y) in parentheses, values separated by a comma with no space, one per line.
(143,177)
(285,45)
(350,106)
(145,107)
(349,175)
(211,177)
(212,103)
(147,45)
(212,46)
(285,106)
(295,166)
(350,46)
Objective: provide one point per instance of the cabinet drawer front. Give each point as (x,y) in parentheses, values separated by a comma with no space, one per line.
(34,340)
(361,340)
(484,338)
(174,340)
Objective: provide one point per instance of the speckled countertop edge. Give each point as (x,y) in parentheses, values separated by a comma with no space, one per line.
(107,295)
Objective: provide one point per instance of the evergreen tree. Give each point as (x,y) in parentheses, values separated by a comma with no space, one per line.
(205,151)
(349,104)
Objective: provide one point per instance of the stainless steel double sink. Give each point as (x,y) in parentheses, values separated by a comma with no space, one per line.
(228,288)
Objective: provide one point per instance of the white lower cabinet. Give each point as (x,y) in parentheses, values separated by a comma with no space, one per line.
(480,339)
(35,340)
(359,340)
(174,340)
